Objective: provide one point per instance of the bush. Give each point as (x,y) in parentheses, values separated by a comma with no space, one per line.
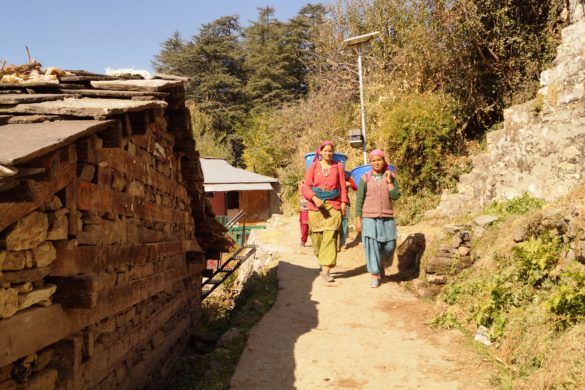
(516,206)
(419,131)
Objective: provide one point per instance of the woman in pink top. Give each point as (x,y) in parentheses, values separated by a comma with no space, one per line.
(324,188)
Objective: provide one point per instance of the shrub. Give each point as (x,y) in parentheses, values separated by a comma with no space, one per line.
(419,131)
(516,206)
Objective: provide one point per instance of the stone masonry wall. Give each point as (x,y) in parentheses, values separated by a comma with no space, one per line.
(541,148)
(100,262)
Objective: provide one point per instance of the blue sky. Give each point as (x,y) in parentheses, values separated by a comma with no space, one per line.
(94,35)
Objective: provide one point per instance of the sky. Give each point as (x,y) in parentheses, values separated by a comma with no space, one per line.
(95,35)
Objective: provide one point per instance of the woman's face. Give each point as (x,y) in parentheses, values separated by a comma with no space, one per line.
(327,153)
(377,163)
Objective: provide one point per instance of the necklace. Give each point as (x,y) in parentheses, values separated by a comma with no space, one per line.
(323,171)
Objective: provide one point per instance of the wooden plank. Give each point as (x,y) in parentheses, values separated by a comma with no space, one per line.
(88,259)
(137,85)
(85,107)
(91,197)
(114,94)
(105,360)
(24,142)
(42,190)
(18,98)
(125,163)
(31,330)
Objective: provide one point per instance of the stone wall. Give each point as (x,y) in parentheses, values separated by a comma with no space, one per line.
(541,148)
(101,253)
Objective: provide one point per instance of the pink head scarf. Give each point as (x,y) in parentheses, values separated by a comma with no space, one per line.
(376,152)
(318,151)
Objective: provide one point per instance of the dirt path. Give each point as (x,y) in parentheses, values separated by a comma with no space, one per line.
(347,335)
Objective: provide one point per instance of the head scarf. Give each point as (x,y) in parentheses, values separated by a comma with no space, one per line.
(376,152)
(318,151)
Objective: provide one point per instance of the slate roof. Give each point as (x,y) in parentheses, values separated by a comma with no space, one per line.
(220,176)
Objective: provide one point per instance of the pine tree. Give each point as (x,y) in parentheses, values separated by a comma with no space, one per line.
(269,59)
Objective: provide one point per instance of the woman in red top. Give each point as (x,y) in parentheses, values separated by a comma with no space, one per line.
(324,188)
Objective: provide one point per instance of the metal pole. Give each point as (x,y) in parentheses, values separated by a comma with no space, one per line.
(359,49)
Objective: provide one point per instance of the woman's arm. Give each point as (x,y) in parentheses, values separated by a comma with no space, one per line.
(359,204)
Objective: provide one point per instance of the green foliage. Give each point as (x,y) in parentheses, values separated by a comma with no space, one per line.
(419,131)
(536,258)
(568,301)
(446,320)
(207,142)
(264,152)
(516,206)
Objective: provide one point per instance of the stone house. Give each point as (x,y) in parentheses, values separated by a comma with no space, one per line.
(104,231)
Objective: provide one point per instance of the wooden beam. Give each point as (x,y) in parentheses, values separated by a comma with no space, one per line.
(87,259)
(31,330)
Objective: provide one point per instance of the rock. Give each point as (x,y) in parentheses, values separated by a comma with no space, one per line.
(87,173)
(519,234)
(422,290)
(551,212)
(42,294)
(23,287)
(8,302)
(44,254)
(15,261)
(58,225)
(456,227)
(54,204)
(439,265)
(465,237)
(463,250)
(437,279)
(485,220)
(478,231)
(27,233)
(456,241)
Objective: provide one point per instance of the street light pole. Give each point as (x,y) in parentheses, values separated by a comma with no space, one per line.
(357,42)
(362,105)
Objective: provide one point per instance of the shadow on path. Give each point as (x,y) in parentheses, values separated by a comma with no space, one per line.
(271,364)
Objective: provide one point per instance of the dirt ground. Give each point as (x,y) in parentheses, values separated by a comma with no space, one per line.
(346,335)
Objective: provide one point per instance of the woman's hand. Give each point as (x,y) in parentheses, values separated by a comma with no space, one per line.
(317,202)
(358,224)
(343,208)
(389,175)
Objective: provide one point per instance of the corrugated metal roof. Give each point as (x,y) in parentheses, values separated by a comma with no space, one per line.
(237,187)
(218,171)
